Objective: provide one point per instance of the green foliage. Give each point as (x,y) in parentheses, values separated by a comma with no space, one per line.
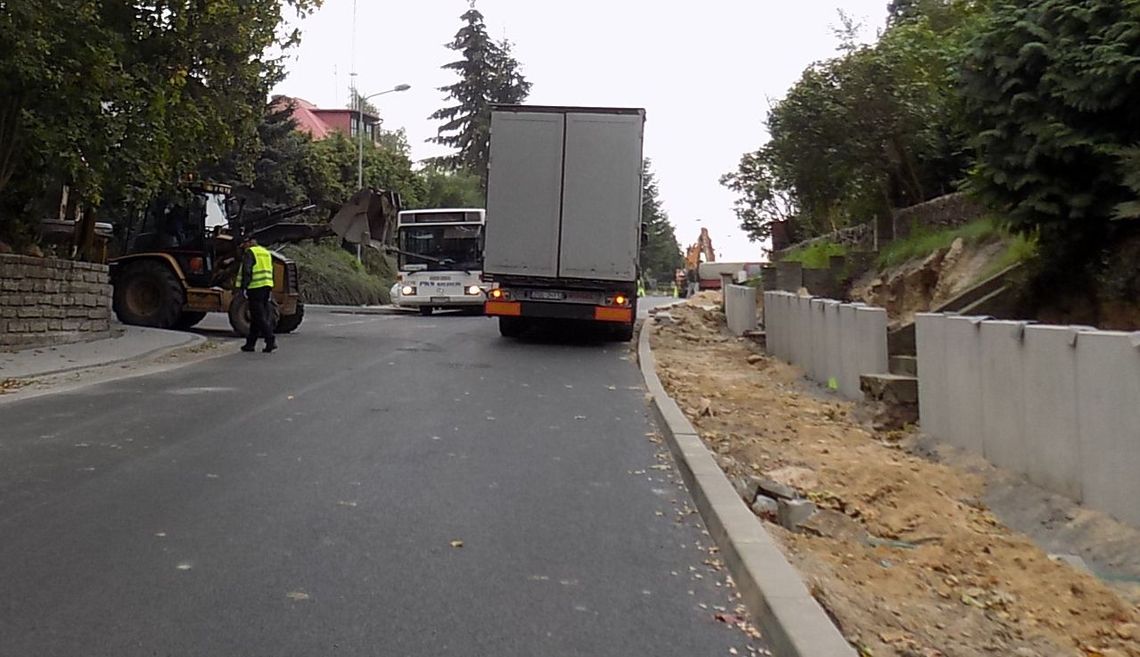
(488,74)
(450,189)
(1019,249)
(816,256)
(922,242)
(1053,87)
(660,254)
(331,275)
(119,100)
(877,128)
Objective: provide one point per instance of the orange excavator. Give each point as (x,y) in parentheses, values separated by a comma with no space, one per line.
(688,279)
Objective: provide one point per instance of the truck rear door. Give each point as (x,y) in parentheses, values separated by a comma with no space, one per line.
(601,196)
(524,194)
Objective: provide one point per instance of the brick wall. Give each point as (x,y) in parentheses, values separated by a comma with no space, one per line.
(45,301)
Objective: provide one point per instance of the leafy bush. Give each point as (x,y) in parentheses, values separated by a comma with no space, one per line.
(331,275)
(1052,87)
(816,256)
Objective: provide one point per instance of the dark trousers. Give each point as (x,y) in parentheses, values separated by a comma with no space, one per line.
(260,316)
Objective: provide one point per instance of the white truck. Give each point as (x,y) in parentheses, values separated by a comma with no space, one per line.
(563,230)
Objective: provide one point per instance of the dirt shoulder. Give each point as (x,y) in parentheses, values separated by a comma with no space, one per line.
(904,554)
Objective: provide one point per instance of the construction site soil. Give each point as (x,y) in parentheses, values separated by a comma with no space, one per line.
(904,553)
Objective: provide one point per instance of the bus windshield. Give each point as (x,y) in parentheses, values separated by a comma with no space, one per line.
(452,247)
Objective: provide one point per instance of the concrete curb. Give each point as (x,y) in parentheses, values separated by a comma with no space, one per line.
(793,623)
(192,340)
(357,310)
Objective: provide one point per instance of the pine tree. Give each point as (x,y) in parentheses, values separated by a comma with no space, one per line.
(488,74)
(661,253)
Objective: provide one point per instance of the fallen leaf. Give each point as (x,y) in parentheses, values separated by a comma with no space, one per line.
(457,543)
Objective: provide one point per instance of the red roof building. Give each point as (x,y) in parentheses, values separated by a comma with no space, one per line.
(322,123)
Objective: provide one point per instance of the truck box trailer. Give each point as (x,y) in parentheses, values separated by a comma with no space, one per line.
(563,231)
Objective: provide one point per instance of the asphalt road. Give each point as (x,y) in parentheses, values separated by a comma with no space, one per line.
(311,502)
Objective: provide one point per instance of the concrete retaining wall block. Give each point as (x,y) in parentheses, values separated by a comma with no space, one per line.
(964,382)
(933,404)
(1003,393)
(1108,401)
(1053,455)
(740,308)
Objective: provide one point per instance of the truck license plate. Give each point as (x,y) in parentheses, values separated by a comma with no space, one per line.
(440,299)
(547,295)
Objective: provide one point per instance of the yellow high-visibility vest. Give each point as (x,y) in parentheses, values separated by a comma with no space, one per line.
(262,275)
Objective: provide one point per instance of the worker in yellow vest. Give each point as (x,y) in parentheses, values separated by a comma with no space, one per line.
(255,280)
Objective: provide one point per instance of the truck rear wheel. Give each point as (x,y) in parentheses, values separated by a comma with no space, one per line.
(622,333)
(289,323)
(511,327)
(147,293)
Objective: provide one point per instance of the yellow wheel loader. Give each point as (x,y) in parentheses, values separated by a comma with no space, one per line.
(182,256)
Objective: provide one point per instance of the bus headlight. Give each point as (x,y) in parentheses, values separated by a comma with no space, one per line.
(408,291)
(474,290)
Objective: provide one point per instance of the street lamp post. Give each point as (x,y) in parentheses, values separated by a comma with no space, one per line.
(360,129)
(360,139)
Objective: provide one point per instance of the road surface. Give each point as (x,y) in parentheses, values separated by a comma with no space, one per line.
(382,485)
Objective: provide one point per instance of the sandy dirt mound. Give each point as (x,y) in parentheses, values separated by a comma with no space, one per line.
(903,554)
(920,285)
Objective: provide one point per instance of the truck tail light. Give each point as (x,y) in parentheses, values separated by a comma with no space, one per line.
(499,294)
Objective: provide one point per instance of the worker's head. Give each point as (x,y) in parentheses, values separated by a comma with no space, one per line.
(248,241)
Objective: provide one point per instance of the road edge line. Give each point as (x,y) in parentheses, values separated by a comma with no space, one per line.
(792,621)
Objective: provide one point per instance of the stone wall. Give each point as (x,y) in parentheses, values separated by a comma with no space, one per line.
(45,301)
(948,211)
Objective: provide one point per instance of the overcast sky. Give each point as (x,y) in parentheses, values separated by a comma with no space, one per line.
(704,72)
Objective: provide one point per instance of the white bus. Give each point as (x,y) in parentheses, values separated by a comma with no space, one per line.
(440,259)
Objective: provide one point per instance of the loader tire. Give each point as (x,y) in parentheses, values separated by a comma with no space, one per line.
(289,323)
(239,315)
(148,293)
(189,319)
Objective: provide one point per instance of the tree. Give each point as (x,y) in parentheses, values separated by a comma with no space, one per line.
(118,100)
(877,128)
(762,200)
(451,189)
(488,74)
(1053,88)
(660,254)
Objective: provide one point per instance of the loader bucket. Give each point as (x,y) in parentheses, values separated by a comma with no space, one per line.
(367,218)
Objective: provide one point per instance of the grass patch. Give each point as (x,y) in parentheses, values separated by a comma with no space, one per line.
(331,275)
(922,243)
(1020,249)
(816,256)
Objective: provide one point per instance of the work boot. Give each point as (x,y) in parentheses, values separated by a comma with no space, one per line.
(248,347)
(270,347)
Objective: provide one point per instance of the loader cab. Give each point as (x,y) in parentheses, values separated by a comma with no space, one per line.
(187,224)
